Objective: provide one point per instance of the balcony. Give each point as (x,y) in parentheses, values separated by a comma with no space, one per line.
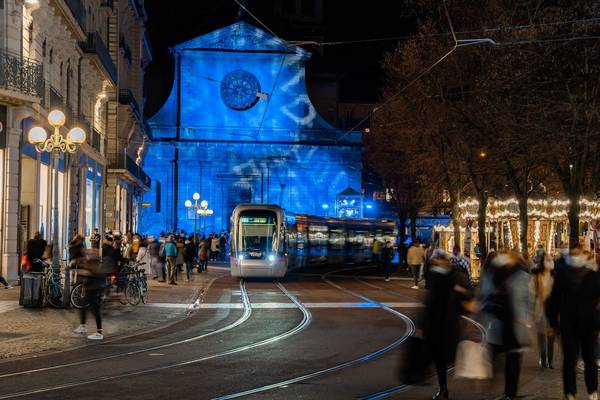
(21,75)
(95,45)
(126,97)
(125,162)
(77,9)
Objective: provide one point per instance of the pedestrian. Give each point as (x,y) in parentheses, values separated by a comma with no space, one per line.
(95,239)
(427,262)
(572,310)
(76,254)
(203,256)
(143,255)
(36,247)
(214,247)
(4,283)
(387,255)
(376,251)
(415,257)
(135,247)
(156,266)
(223,245)
(189,254)
(542,280)
(170,252)
(180,259)
(449,295)
(461,261)
(505,304)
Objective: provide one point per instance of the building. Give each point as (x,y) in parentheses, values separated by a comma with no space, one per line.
(239,127)
(63,54)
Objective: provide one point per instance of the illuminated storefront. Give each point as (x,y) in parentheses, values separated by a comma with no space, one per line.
(239,127)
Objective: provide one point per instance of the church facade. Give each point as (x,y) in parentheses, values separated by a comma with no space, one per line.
(239,127)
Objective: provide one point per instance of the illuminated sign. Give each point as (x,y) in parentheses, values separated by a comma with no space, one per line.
(254,220)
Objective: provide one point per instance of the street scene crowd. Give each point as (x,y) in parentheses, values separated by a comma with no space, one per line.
(518,301)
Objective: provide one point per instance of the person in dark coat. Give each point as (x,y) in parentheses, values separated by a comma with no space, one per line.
(387,255)
(35,250)
(572,310)
(76,254)
(111,257)
(505,299)
(189,254)
(449,292)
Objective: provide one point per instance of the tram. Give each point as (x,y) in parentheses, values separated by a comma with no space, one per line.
(268,242)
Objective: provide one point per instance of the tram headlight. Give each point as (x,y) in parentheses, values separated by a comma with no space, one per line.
(271,257)
(240,257)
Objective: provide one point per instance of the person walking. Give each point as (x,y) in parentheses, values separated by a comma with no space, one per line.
(572,310)
(203,257)
(461,261)
(76,254)
(414,258)
(4,283)
(143,255)
(505,300)
(156,266)
(387,255)
(189,254)
(170,252)
(542,280)
(180,259)
(214,247)
(223,245)
(95,239)
(449,293)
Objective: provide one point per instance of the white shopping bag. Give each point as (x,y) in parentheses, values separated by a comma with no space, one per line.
(473,361)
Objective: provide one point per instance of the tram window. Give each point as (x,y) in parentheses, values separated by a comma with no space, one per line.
(361,239)
(379,235)
(258,233)
(337,239)
(317,235)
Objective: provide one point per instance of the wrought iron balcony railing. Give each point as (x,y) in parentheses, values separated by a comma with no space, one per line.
(95,45)
(126,162)
(21,75)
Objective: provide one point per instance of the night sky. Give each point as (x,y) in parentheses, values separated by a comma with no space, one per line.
(357,65)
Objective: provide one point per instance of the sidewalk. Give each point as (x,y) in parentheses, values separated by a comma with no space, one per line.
(26,331)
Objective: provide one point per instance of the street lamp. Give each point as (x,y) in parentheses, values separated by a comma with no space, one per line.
(204,212)
(56,144)
(196,206)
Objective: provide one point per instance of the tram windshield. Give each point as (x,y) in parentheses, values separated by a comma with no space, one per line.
(257,233)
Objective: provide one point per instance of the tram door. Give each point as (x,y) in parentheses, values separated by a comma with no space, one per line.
(239,193)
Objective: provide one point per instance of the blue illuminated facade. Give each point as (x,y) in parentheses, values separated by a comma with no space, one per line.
(239,127)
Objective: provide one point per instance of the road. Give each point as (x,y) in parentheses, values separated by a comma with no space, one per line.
(334,333)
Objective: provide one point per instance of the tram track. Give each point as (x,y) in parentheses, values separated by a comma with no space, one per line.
(247,312)
(410,328)
(306,320)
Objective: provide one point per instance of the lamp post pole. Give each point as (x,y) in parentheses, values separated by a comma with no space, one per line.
(188,205)
(57,144)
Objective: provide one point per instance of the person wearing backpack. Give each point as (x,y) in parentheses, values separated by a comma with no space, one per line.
(170,252)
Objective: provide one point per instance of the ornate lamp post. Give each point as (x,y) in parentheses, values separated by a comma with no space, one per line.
(204,212)
(196,206)
(56,144)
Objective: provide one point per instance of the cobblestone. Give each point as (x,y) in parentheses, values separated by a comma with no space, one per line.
(28,331)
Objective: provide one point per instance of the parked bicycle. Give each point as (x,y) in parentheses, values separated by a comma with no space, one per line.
(115,286)
(52,292)
(137,285)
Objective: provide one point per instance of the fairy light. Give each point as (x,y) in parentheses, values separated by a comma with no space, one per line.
(536,233)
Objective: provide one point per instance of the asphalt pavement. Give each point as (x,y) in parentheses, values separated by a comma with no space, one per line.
(332,333)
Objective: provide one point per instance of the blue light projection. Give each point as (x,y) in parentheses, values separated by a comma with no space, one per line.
(239,127)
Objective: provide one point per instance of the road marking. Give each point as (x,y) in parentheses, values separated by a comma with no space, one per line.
(272,305)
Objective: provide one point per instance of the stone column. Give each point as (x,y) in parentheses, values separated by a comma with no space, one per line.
(11,209)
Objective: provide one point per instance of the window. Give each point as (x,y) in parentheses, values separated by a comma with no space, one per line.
(157,196)
(257,233)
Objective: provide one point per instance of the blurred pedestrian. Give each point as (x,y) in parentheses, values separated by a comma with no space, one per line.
(387,255)
(203,257)
(76,254)
(449,291)
(157,267)
(223,245)
(505,302)
(4,283)
(170,252)
(461,261)
(95,239)
(214,247)
(180,259)
(143,255)
(572,309)
(415,257)
(542,280)
(427,262)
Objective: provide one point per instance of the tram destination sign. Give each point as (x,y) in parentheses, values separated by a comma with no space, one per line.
(254,220)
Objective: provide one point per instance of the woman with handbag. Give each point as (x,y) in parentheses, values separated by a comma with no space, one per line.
(449,292)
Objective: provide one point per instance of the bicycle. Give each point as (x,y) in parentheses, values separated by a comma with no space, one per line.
(79,291)
(52,292)
(136,289)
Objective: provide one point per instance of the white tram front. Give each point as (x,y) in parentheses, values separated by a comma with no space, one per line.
(267,242)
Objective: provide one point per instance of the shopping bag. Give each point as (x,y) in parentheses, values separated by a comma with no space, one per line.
(415,366)
(473,361)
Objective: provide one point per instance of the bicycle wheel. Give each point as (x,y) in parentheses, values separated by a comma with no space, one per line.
(144,290)
(133,293)
(54,295)
(78,296)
